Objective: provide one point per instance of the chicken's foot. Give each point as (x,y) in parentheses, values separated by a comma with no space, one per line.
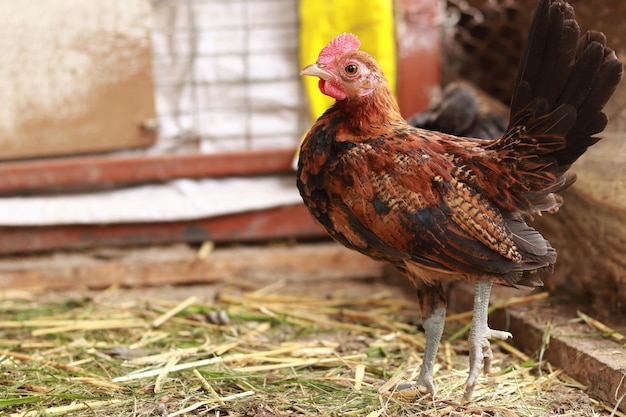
(480,354)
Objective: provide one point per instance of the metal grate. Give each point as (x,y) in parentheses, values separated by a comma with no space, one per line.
(485,43)
(226,74)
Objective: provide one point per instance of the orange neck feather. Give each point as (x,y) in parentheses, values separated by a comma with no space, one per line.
(366,115)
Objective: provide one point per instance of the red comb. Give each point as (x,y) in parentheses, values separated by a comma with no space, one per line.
(346,42)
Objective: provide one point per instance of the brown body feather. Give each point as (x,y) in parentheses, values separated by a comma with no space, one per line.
(401,194)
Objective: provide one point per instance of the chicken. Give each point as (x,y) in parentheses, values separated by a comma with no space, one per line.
(463,110)
(443,208)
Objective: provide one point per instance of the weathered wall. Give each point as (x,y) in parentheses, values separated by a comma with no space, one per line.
(75,76)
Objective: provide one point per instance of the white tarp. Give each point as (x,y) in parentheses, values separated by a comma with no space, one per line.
(182,199)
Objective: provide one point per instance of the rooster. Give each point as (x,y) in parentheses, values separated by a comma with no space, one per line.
(441,207)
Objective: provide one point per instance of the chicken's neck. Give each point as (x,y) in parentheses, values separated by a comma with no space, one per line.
(365,116)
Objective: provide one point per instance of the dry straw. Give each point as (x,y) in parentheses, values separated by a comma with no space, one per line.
(274,355)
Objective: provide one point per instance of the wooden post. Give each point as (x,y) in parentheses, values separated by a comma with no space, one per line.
(418,53)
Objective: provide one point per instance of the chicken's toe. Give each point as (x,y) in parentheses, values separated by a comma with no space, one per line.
(481,356)
(424,380)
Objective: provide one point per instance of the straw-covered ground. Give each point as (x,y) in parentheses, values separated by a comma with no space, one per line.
(251,354)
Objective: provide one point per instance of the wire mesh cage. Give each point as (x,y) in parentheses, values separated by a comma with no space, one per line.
(226,74)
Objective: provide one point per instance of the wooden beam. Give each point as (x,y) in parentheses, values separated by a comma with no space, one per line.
(247,267)
(275,223)
(96,172)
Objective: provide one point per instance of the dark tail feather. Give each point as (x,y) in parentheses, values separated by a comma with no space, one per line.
(537,253)
(604,72)
(563,83)
(553,34)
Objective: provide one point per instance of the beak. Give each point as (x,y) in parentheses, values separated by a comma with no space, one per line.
(315,70)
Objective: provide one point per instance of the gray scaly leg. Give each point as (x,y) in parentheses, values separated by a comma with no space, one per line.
(433,326)
(480,354)
(432,302)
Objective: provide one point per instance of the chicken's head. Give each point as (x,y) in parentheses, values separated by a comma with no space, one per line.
(343,70)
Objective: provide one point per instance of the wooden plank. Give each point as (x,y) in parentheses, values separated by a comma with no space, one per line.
(275,223)
(580,351)
(94,172)
(247,267)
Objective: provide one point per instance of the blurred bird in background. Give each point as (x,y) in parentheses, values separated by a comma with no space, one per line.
(441,207)
(461,109)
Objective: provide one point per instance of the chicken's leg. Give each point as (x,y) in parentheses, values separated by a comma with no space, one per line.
(480,354)
(432,301)
(433,326)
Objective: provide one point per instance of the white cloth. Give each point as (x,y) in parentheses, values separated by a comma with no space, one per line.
(182,199)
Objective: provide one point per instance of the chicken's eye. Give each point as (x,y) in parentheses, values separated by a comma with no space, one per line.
(351,69)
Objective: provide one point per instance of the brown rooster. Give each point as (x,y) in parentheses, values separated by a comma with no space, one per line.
(442,207)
